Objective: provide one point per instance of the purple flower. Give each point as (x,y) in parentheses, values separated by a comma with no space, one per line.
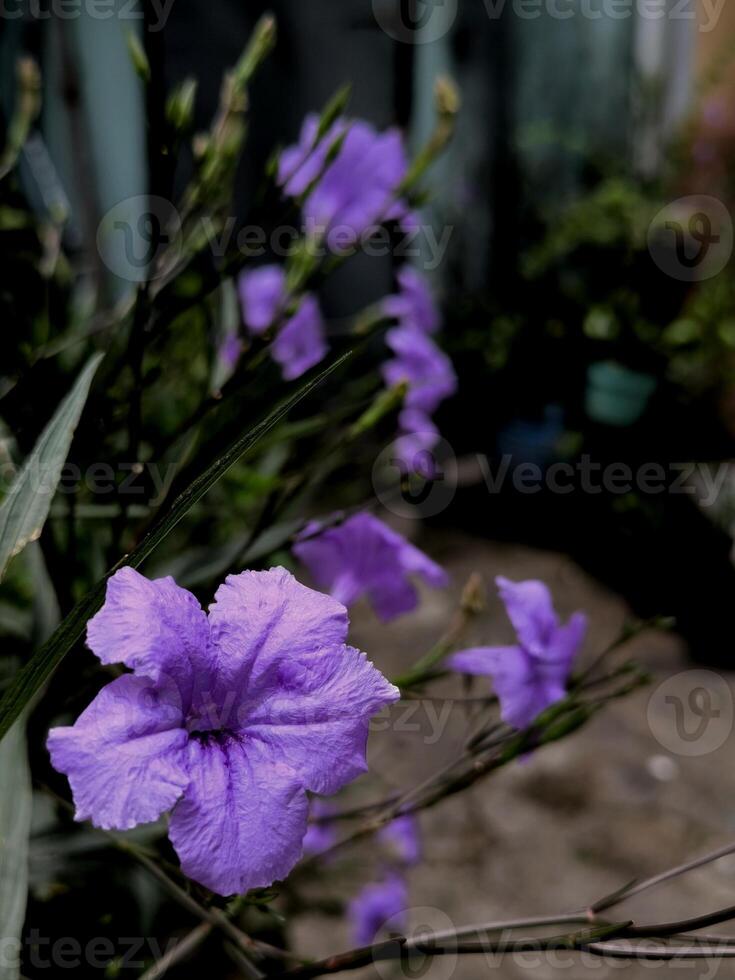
(430,377)
(363,556)
(413,305)
(300,343)
(401,836)
(301,164)
(418,435)
(358,189)
(378,905)
(532,675)
(422,365)
(263,296)
(227,718)
(319,836)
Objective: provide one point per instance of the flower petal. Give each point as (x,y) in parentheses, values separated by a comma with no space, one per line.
(262,620)
(154,627)
(364,555)
(243,818)
(262,294)
(300,343)
(531,612)
(523,689)
(125,754)
(384,903)
(316,716)
(567,640)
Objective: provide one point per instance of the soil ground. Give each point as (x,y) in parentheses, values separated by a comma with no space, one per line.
(627,796)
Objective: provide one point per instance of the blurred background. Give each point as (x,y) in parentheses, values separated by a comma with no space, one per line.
(576,329)
(581,249)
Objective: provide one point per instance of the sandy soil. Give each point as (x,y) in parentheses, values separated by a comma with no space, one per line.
(623,798)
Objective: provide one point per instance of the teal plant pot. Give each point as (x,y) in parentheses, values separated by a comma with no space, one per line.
(616,395)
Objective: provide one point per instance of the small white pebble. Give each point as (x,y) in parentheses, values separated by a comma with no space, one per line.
(662,767)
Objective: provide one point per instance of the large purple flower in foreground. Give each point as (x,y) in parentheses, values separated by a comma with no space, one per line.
(363,556)
(358,190)
(384,903)
(300,342)
(532,675)
(413,305)
(227,718)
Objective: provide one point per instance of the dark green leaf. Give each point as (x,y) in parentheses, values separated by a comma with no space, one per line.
(23,512)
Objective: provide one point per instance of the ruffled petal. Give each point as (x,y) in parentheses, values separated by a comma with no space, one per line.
(531,612)
(154,627)
(261,621)
(243,818)
(316,716)
(125,755)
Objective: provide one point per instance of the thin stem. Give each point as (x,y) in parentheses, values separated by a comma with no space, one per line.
(185,947)
(532,922)
(628,891)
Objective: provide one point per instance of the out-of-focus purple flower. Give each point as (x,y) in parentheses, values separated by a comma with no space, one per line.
(384,902)
(430,377)
(228,718)
(363,556)
(418,435)
(358,189)
(300,342)
(263,296)
(401,836)
(319,836)
(413,305)
(532,675)
(422,365)
(300,165)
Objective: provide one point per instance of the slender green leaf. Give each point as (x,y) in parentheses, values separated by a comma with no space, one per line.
(16,799)
(44,662)
(24,510)
(15,826)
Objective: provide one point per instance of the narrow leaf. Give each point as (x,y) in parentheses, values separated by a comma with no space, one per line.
(15,825)
(24,510)
(44,662)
